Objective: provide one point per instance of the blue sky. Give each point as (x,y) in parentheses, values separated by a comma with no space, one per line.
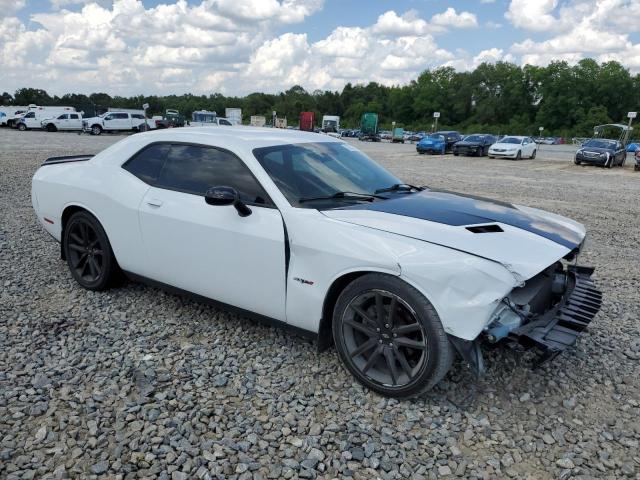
(238,46)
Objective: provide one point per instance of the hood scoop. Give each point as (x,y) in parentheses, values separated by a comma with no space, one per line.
(485,229)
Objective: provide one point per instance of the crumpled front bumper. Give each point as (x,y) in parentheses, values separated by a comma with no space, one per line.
(552,332)
(560,327)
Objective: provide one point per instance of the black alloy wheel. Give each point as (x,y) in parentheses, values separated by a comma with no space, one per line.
(390,337)
(88,252)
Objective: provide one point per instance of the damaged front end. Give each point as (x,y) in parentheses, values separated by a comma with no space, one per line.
(549,312)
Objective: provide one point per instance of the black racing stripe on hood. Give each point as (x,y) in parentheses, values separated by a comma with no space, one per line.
(462,210)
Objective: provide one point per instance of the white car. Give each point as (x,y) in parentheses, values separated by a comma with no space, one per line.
(308,232)
(515,147)
(64,121)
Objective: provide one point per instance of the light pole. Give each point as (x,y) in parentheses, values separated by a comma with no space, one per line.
(540,129)
(436,115)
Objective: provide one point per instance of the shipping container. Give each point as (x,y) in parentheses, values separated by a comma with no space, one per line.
(234,115)
(258,121)
(307,121)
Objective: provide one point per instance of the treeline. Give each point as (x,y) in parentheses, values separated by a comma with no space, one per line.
(503,97)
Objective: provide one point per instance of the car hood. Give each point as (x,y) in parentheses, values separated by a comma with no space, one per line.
(596,150)
(506,145)
(464,143)
(527,241)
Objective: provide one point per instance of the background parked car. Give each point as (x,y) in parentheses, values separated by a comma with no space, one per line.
(514,147)
(601,151)
(115,122)
(64,121)
(433,143)
(477,144)
(450,137)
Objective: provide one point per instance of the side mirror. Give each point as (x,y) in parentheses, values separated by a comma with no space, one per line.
(221,196)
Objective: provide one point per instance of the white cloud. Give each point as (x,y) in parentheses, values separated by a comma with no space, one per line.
(389,23)
(11,6)
(532,14)
(450,18)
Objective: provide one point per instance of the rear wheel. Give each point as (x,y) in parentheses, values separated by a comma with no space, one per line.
(88,252)
(390,337)
(22,127)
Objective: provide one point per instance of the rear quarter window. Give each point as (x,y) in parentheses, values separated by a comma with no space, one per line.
(147,163)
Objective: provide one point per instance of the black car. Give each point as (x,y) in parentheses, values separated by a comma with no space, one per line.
(601,151)
(450,137)
(477,144)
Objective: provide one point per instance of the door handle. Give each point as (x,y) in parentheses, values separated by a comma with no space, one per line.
(154,202)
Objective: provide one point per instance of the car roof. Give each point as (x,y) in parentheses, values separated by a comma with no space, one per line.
(514,136)
(237,136)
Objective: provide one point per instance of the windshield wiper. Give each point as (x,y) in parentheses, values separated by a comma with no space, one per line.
(399,187)
(345,196)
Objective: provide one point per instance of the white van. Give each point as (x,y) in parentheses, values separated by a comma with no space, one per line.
(34,117)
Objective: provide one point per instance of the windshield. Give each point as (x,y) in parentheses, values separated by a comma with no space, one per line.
(309,170)
(599,144)
(474,138)
(514,140)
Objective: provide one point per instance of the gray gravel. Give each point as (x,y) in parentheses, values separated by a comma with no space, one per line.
(138,383)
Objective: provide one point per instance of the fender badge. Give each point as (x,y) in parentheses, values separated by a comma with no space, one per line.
(303,281)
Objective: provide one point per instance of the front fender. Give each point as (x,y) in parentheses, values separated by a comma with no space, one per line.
(464,289)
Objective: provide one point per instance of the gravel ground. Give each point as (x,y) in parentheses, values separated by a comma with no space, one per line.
(138,383)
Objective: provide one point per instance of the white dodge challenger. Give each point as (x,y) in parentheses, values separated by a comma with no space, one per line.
(306,231)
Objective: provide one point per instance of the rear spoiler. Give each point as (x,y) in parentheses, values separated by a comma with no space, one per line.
(67,159)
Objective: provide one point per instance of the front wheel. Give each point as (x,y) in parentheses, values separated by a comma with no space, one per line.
(88,252)
(533,155)
(22,127)
(51,127)
(96,130)
(519,155)
(389,336)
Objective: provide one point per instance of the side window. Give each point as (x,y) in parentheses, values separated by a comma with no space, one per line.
(73,116)
(147,163)
(109,117)
(137,115)
(121,116)
(30,115)
(195,169)
(63,117)
(224,122)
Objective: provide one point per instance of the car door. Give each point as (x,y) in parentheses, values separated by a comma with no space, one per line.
(74,122)
(212,250)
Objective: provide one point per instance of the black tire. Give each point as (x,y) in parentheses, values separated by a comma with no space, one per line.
(88,252)
(576,161)
(533,155)
(609,163)
(519,155)
(491,156)
(408,352)
(481,152)
(455,154)
(22,127)
(96,130)
(51,127)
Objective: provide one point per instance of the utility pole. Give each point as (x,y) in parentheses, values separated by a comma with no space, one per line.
(436,115)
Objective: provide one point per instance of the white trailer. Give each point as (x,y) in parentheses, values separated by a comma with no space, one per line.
(234,115)
(11,112)
(258,121)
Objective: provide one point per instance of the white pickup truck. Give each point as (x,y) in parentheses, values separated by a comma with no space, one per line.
(115,122)
(64,121)
(36,114)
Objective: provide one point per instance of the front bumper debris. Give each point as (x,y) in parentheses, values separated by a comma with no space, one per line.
(552,332)
(560,327)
